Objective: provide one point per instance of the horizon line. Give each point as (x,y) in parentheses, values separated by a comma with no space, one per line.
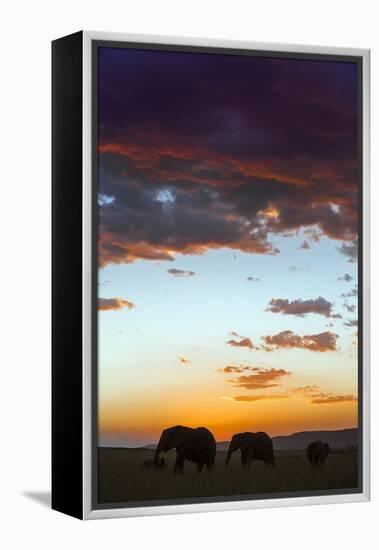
(142,446)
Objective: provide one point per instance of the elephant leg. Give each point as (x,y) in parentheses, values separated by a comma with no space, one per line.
(249,459)
(179,463)
(200,466)
(210,466)
(244,459)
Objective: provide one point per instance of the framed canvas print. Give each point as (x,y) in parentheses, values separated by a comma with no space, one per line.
(210,275)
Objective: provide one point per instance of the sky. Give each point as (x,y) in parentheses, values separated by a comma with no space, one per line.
(228,205)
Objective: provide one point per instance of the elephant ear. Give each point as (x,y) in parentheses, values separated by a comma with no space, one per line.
(177,436)
(244,441)
(237,442)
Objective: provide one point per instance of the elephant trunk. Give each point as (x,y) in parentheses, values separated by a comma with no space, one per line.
(228,456)
(157,452)
(235,445)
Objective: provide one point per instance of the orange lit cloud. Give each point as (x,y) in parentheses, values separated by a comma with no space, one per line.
(114,250)
(240,368)
(269,212)
(114,304)
(316,397)
(325,341)
(322,399)
(261,378)
(150,157)
(330,399)
(253,398)
(244,343)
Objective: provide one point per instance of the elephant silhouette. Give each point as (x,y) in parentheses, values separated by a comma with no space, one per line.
(317,453)
(253,446)
(196,445)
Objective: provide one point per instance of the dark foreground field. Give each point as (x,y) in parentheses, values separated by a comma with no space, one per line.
(120,478)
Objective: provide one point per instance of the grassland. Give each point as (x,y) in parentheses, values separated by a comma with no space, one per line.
(121,480)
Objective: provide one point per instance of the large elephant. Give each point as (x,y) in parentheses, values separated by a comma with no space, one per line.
(253,446)
(194,444)
(317,453)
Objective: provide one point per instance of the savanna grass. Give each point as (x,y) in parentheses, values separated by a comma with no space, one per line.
(121,480)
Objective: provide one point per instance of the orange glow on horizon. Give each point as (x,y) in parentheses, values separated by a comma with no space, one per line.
(226,417)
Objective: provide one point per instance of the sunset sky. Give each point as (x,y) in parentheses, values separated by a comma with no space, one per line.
(228,204)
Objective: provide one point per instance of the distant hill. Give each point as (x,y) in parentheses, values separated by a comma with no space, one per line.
(300,440)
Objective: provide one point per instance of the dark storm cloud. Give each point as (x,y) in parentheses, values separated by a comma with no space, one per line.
(262,101)
(192,161)
(140,224)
